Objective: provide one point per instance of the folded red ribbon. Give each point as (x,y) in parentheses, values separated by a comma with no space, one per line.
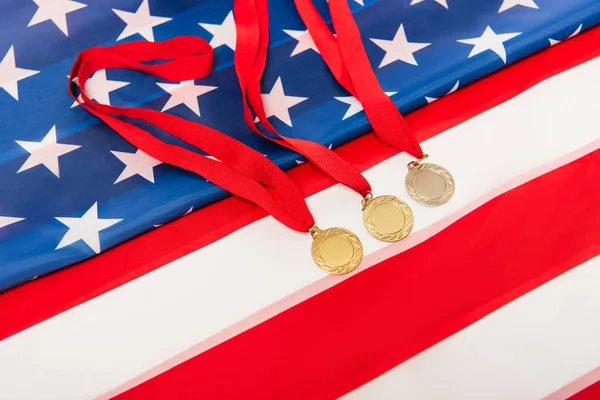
(241,170)
(347,60)
(252,30)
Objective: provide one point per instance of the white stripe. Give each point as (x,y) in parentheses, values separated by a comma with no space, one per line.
(115,337)
(527,349)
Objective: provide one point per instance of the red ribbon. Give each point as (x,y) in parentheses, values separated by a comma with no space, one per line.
(252,30)
(347,60)
(241,170)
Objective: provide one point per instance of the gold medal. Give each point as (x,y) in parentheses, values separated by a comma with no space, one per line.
(336,251)
(429,184)
(387,218)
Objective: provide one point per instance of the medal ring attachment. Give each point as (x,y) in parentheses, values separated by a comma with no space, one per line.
(366,200)
(413,164)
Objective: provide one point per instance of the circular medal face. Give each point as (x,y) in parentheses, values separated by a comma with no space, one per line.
(429,184)
(388,218)
(337,251)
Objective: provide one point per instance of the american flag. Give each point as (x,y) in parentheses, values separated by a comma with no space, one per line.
(493,295)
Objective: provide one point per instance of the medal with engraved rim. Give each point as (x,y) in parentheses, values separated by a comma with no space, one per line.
(429,184)
(387,218)
(336,251)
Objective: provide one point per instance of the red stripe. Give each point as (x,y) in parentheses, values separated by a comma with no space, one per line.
(590,393)
(357,330)
(29,304)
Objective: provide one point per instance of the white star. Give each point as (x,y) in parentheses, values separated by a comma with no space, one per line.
(489,40)
(554,42)
(6,221)
(305,41)
(454,89)
(355,105)
(55,11)
(140,22)
(440,2)
(278,104)
(224,33)
(10,74)
(138,163)
(508,4)
(185,93)
(45,153)
(399,48)
(86,228)
(98,88)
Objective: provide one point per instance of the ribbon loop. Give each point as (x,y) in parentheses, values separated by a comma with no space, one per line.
(240,170)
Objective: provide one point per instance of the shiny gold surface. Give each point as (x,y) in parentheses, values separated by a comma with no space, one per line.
(388,218)
(336,251)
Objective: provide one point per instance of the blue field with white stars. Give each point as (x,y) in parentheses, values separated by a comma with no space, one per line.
(70,187)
